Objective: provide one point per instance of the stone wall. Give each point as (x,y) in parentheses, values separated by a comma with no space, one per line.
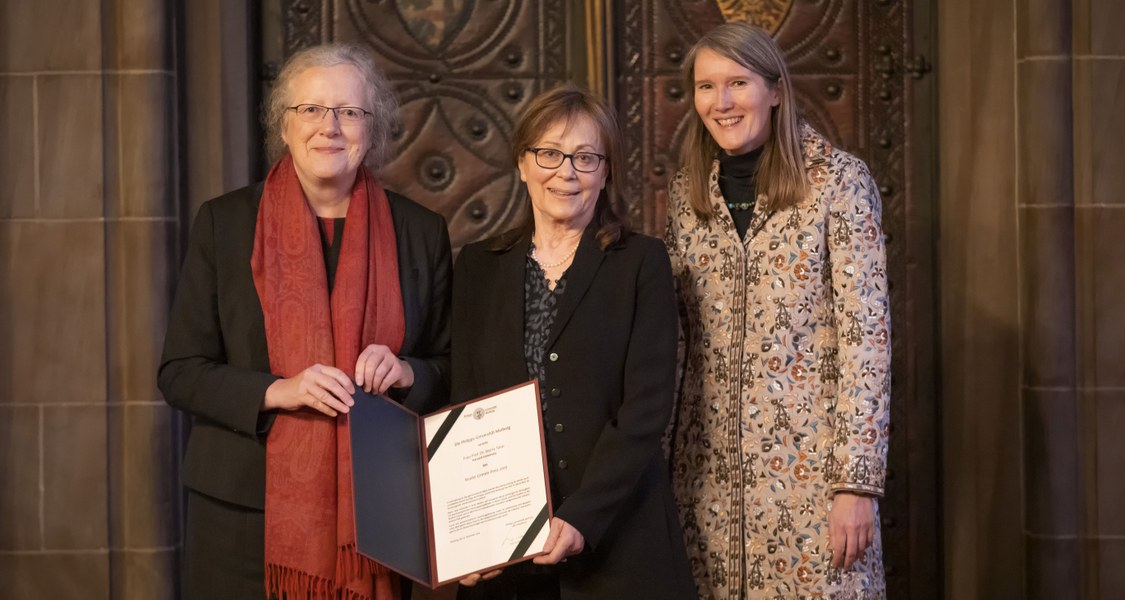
(1032,147)
(96,196)
(88,236)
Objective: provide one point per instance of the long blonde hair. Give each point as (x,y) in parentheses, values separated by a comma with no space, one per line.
(781,169)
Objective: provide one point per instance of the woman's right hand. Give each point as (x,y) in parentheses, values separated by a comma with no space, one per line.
(326,389)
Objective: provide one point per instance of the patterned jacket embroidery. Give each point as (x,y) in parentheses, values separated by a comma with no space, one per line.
(786,383)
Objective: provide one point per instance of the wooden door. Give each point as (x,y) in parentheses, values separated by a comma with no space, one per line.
(463,69)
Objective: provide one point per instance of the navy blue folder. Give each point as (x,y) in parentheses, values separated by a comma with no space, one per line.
(392,528)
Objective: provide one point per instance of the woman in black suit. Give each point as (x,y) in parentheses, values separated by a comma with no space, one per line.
(293,293)
(573,299)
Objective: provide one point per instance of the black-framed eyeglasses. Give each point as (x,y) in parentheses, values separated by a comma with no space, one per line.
(314,113)
(552,158)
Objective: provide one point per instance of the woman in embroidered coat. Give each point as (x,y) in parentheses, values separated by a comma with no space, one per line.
(780,437)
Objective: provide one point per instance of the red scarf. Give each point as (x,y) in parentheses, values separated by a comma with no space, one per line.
(310,523)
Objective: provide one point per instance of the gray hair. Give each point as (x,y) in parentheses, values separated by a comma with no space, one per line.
(380,97)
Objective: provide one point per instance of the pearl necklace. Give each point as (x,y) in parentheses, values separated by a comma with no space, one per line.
(535,255)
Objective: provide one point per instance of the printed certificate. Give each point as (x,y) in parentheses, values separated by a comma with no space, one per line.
(460,491)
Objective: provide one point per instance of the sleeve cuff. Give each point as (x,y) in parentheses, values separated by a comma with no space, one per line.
(425,395)
(254,386)
(858,488)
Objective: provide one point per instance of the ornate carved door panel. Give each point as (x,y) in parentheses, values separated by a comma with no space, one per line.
(463,69)
(853,67)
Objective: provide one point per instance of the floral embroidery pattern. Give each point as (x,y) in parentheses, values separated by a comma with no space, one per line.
(785,394)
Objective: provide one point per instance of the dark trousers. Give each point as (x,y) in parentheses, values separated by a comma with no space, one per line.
(224,550)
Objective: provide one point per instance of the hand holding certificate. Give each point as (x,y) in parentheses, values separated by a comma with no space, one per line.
(461,491)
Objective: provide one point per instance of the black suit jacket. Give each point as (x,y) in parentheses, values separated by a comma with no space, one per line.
(610,368)
(216,367)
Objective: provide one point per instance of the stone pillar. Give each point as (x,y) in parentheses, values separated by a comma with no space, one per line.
(979,304)
(1072,230)
(1033,233)
(88,499)
(140,202)
(1049,423)
(1098,56)
(219,82)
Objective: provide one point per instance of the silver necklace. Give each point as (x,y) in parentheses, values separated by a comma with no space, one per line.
(535,255)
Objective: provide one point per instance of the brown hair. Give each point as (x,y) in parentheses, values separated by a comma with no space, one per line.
(380,97)
(781,169)
(566,103)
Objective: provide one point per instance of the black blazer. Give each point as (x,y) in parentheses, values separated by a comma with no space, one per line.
(215,365)
(611,360)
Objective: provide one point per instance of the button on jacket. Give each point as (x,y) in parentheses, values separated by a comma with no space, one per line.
(611,359)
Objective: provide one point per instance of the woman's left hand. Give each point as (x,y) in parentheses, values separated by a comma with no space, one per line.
(851,527)
(378,369)
(563,541)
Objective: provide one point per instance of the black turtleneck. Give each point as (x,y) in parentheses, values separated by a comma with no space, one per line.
(737,183)
(331,239)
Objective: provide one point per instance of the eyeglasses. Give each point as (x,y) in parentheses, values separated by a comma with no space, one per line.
(551,158)
(314,113)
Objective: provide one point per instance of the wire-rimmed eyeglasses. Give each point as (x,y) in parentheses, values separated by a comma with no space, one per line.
(314,113)
(552,158)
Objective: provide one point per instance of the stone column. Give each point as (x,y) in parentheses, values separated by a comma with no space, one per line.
(1072,230)
(1045,195)
(140,202)
(1098,56)
(979,304)
(1033,234)
(219,82)
(88,499)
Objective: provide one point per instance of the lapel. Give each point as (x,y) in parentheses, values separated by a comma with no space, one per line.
(578,279)
(761,215)
(509,300)
(719,205)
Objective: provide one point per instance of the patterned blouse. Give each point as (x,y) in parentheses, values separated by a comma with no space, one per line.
(540,305)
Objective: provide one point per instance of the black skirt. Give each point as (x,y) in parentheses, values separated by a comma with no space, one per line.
(224,550)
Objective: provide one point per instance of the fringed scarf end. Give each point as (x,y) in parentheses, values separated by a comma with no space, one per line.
(350,564)
(287,582)
(353,566)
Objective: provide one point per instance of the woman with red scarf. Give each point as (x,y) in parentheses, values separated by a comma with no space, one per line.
(293,294)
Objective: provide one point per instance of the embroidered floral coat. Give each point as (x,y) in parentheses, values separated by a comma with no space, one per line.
(786,385)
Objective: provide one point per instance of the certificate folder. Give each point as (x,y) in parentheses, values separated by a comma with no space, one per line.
(460,491)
